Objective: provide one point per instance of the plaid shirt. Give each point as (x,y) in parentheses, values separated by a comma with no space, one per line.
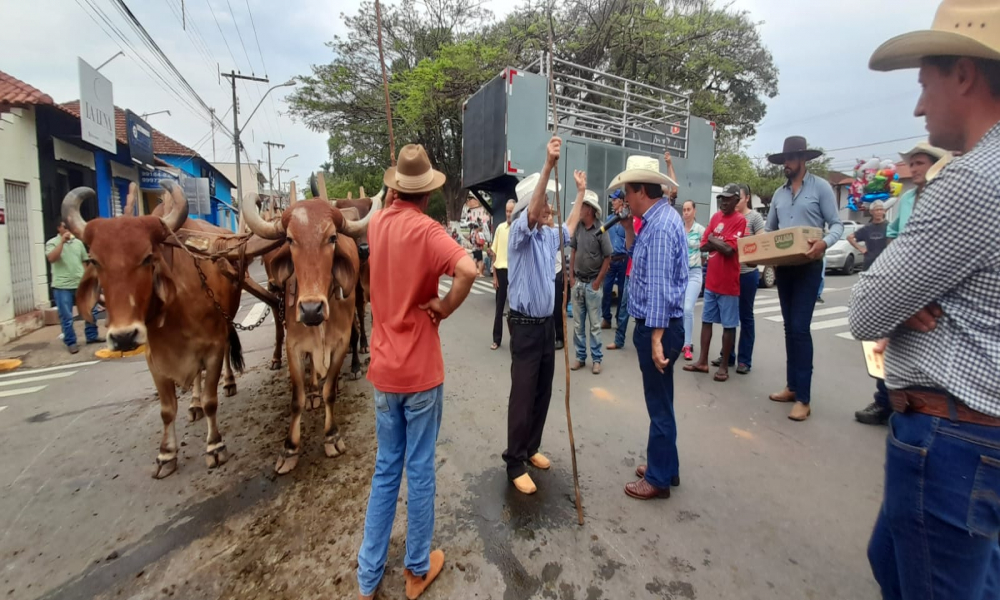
(531,258)
(959,269)
(659,268)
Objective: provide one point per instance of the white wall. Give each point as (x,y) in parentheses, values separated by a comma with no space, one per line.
(19,162)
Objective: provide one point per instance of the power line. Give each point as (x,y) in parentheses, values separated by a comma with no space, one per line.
(263,64)
(239,34)
(912,137)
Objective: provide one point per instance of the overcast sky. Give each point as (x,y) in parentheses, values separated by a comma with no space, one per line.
(826,91)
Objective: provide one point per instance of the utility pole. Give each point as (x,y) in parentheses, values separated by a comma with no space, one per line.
(278,171)
(270,174)
(232,76)
(212,110)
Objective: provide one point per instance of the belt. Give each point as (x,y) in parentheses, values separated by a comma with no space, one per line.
(938,404)
(582,279)
(619,257)
(516,318)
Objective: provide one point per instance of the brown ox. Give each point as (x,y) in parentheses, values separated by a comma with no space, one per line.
(154,296)
(319,273)
(359,339)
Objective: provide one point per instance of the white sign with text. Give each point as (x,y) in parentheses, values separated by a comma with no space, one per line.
(97,109)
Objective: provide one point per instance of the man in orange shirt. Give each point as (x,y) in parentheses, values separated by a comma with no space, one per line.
(409,254)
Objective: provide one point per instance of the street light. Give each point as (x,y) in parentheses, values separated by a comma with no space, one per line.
(287,159)
(288,83)
(145,116)
(116,55)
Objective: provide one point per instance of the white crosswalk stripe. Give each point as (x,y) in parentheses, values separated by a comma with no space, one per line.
(846,335)
(12,383)
(829,324)
(761,310)
(823,312)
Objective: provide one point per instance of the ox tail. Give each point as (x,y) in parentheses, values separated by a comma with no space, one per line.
(235,350)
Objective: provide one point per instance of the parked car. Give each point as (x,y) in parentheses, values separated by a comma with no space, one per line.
(767,277)
(842,256)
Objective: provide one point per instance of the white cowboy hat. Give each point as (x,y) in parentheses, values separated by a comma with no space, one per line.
(961,28)
(924,148)
(937,167)
(641,169)
(590,198)
(526,187)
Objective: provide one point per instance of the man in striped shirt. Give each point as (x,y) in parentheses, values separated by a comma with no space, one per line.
(656,301)
(532,245)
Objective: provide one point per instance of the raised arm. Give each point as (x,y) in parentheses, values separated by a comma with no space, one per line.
(539,197)
(581,188)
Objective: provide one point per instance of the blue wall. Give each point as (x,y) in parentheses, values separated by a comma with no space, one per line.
(195,166)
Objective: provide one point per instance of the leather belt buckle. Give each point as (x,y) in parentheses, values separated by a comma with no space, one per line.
(899,401)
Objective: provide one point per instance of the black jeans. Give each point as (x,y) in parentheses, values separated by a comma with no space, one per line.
(532,353)
(557,313)
(798,287)
(501,301)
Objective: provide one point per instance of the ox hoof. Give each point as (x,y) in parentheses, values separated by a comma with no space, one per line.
(216,457)
(195,413)
(314,401)
(229,389)
(276,364)
(335,448)
(286,463)
(355,375)
(365,350)
(165,467)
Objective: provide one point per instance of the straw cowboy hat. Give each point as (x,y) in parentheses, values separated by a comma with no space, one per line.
(413,173)
(795,144)
(590,198)
(961,28)
(526,187)
(924,148)
(641,169)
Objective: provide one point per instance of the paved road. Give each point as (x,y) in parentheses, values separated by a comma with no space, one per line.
(768,508)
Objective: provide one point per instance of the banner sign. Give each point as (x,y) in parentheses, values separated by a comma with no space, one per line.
(140,139)
(150,179)
(97,109)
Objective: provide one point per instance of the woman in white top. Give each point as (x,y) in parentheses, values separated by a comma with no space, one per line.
(694,235)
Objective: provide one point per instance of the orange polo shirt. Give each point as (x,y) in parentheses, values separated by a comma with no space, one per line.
(409,253)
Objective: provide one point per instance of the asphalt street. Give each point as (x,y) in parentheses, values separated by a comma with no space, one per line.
(767,508)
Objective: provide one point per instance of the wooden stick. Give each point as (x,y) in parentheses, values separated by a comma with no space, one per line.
(385,83)
(562,256)
(292,196)
(321,184)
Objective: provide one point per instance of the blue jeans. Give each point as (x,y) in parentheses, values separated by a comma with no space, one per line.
(65,300)
(662,463)
(748,293)
(881,393)
(822,279)
(797,292)
(622,328)
(695,275)
(406,426)
(588,308)
(936,533)
(615,276)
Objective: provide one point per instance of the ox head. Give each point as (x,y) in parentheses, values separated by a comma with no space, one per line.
(324,263)
(126,263)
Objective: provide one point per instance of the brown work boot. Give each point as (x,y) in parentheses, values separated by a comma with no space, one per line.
(785,395)
(416,584)
(540,461)
(597,369)
(525,485)
(576,365)
(643,490)
(800,412)
(605,325)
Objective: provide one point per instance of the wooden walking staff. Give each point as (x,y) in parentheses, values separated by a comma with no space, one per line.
(385,84)
(562,256)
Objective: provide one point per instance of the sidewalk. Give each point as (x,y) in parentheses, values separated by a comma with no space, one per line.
(44,348)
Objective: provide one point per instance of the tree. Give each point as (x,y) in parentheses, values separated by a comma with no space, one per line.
(762,176)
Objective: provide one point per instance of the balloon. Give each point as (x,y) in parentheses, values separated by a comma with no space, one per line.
(871,164)
(873,197)
(851,205)
(895,188)
(885,164)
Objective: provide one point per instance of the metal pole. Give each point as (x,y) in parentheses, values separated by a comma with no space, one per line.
(385,84)
(270,174)
(236,145)
(625,115)
(212,110)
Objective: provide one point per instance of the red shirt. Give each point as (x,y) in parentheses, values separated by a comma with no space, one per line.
(636,226)
(409,254)
(723,275)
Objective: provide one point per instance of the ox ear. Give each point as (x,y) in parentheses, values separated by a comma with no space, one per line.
(163,282)
(346,264)
(282,267)
(86,293)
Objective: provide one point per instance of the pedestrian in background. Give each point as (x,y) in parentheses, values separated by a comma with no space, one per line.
(478,241)
(805,200)
(937,298)
(498,251)
(532,248)
(622,315)
(919,159)
(407,368)
(619,262)
(694,232)
(722,285)
(68,256)
(749,279)
(656,302)
(874,235)
(590,259)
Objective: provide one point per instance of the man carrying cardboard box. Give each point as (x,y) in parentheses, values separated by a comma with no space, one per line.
(806,200)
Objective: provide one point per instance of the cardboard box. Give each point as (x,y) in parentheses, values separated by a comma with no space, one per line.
(776,248)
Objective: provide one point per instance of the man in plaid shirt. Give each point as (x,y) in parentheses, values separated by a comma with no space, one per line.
(937,299)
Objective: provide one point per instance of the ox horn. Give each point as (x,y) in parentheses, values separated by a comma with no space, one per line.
(130,200)
(269,230)
(356,229)
(176,214)
(71,209)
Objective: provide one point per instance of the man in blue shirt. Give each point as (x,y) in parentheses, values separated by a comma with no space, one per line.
(805,201)
(656,301)
(616,272)
(532,245)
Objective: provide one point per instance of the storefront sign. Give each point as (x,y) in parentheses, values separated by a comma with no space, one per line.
(97,108)
(150,179)
(140,139)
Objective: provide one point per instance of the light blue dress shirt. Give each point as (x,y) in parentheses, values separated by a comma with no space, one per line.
(814,206)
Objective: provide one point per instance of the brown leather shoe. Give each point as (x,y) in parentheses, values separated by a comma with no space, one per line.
(643,490)
(525,485)
(605,325)
(416,584)
(597,369)
(576,365)
(640,472)
(800,412)
(540,461)
(785,395)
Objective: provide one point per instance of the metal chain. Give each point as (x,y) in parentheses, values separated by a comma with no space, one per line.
(211,296)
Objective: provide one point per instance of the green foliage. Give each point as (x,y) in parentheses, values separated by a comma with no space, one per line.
(762,177)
